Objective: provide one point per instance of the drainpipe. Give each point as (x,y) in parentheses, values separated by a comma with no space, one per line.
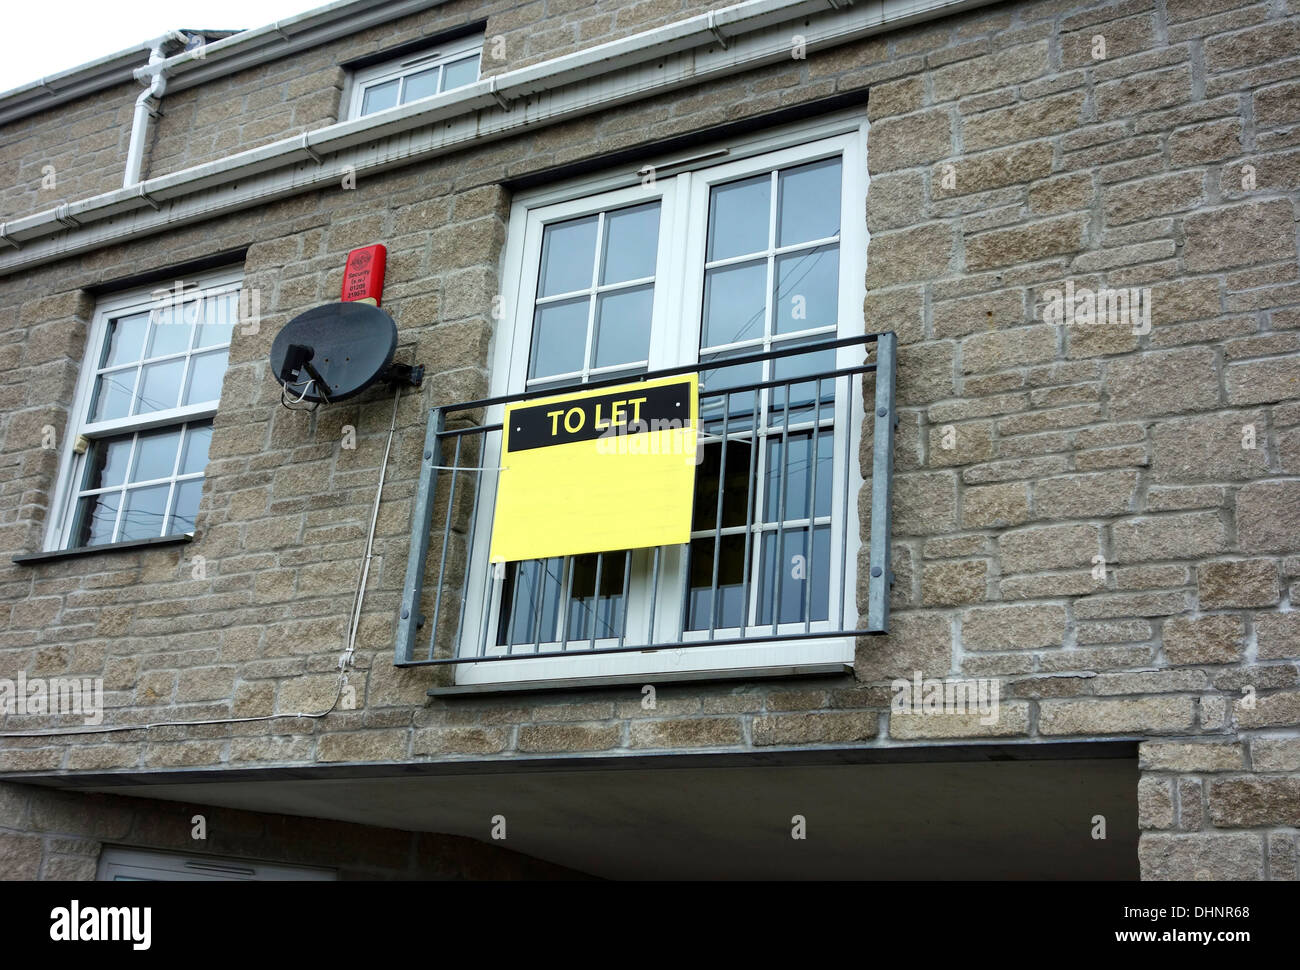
(146,105)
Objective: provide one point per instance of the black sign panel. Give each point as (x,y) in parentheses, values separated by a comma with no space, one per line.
(584,417)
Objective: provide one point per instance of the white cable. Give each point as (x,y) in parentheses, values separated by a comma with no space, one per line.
(346,660)
(285,404)
(306,388)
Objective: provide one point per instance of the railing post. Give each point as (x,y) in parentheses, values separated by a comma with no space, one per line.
(409,619)
(881,576)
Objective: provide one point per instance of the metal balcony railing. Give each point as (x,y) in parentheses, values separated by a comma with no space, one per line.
(776,542)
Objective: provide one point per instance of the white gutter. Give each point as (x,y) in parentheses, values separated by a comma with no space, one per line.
(650,63)
(249,48)
(76,82)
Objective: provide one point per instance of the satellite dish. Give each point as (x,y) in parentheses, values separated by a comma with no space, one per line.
(334,352)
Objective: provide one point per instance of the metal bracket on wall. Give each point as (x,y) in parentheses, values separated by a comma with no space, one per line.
(147,197)
(62,218)
(501,99)
(717,33)
(311,152)
(409,618)
(880,575)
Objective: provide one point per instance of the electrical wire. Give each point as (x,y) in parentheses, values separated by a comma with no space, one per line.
(284,402)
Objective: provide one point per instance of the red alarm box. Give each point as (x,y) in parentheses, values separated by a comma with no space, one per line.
(363,277)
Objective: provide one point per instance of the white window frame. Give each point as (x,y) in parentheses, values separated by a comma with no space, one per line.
(439,55)
(71,464)
(683,190)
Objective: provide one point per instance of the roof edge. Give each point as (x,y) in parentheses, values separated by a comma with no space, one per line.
(231,51)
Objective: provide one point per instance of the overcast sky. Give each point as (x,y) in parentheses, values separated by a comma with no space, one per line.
(43,37)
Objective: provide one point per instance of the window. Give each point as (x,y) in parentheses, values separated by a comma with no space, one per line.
(138,437)
(757,254)
(403,80)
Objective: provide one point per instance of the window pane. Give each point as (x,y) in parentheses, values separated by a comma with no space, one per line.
(730,604)
(810,202)
(825,472)
(796,569)
(420,85)
(218,323)
(738,217)
(736,493)
(197,439)
(125,339)
(724,375)
(155,455)
(803,393)
(142,516)
(807,289)
(798,476)
(206,372)
(623,326)
(459,73)
(586,611)
(160,386)
(794,466)
(113,395)
(379,97)
(740,406)
(559,337)
(568,256)
(185,507)
(96,516)
(169,331)
(631,243)
(106,462)
(734,303)
(533,589)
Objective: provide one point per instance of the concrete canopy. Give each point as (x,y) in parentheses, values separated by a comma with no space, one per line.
(952,812)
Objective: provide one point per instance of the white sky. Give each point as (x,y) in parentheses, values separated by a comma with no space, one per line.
(43,37)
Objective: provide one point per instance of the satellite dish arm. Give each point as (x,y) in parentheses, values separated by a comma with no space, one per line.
(297,359)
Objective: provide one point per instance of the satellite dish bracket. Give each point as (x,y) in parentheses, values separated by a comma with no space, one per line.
(412,374)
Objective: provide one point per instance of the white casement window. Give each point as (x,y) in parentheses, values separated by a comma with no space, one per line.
(137,440)
(453,64)
(755,247)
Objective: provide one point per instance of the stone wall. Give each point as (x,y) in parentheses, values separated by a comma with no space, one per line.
(58,835)
(85,141)
(1075,512)
(1032,454)
(305,92)
(541,29)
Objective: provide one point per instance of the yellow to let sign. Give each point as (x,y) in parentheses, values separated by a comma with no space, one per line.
(597,471)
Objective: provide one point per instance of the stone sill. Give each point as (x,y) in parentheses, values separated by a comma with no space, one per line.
(36,558)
